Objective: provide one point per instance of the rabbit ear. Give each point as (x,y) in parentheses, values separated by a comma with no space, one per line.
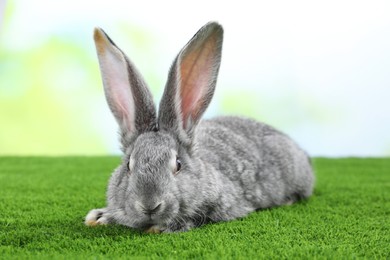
(192,80)
(126,92)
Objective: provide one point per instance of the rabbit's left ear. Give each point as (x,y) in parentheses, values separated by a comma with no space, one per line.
(192,80)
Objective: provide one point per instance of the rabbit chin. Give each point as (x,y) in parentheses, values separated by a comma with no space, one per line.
(141,221)
(147,222)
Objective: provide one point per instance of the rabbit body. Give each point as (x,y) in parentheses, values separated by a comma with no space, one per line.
(179,172)
(258,167)
(264,167)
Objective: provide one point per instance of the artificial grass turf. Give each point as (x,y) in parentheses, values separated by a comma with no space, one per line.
(43,202)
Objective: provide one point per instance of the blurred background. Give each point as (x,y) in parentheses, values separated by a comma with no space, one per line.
(319,71)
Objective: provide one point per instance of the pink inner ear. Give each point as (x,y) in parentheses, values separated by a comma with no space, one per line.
(116,85)
(122,99)
(196,70)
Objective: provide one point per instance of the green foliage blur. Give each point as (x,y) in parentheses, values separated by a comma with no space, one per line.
(51,96)
(44,90)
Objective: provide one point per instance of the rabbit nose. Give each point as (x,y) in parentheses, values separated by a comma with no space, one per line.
(151,210)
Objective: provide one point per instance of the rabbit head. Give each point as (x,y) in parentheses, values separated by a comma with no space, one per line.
(158,163)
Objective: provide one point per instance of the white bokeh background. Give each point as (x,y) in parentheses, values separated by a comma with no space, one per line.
(319,71)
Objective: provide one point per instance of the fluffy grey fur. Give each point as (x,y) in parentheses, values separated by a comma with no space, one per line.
(230,166)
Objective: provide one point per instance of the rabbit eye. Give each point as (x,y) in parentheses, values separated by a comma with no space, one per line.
(178,164)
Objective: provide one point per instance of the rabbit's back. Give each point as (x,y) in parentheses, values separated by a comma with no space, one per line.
(265,165)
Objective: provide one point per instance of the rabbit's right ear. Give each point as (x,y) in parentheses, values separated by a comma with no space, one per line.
(126,92)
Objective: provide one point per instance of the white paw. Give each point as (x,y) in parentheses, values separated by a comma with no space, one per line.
(96,217)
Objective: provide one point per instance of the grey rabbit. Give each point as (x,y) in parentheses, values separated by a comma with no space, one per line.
(178,171)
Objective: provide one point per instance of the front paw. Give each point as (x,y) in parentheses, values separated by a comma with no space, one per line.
(96,217)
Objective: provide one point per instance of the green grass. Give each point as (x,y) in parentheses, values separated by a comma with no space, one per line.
(43,202)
